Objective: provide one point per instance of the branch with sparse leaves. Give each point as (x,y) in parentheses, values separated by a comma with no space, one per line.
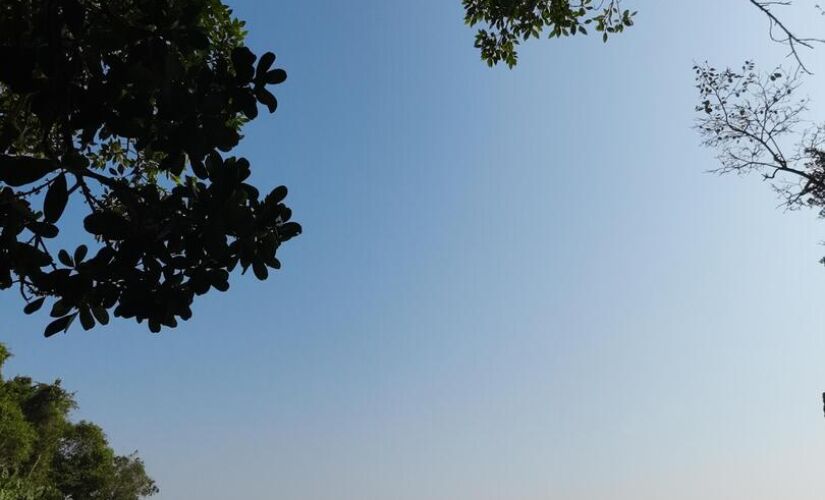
(757,125)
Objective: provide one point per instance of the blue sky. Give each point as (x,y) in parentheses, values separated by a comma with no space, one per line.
(511,285)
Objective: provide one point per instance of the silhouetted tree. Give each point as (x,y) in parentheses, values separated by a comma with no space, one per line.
(757,124)
(509,22)
(46,456)
(753,119)
(129,106)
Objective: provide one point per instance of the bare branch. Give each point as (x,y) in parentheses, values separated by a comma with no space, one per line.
(785,35)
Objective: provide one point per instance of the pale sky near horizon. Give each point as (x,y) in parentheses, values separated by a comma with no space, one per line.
(515,285)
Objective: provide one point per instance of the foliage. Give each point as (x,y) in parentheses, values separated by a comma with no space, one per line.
(757,125)
(511,21)
(45,456)
(755,122)
(127,106)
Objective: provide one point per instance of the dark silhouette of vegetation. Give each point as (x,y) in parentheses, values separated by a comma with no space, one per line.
(509,22)
(757,124)
(753,119)
(45,456)
(129,107)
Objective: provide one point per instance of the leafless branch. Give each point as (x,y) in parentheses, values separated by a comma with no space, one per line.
(779,32)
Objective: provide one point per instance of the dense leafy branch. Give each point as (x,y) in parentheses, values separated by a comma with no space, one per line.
(130,106)
(509,22)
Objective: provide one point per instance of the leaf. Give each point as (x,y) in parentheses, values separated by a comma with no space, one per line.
(275,76)
(260,270)
(154,326)
(87,321)
(33,255)
(43,229)
(106,224)
(56,198)
(21,170)
(277,195)
(199,170)
(242,61)
(59,308)
(289,230)
(80,253)
(64,258)
(34,305)
(220,281)
(267,99)
(246,102)
(226,138)
(264,64)
(101,315)
(59,325)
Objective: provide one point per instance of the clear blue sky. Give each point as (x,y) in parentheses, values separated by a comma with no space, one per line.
(512,285)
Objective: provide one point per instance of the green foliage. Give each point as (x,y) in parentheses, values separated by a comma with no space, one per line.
(511,21)
(13,487)
(46,456)
(16,435)
(128,106)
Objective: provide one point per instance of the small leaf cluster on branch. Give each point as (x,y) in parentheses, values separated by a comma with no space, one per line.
(129,106)
(509,22)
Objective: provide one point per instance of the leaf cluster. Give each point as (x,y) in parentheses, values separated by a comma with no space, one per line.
(755,122)
(509,22)
(130,107)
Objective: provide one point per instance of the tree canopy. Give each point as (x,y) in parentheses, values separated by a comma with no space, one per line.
(752,118)
(130,107)
(122,116)
(46,456)
(758,124)
(509,22)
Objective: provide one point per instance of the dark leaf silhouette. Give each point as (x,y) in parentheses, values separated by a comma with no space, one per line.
(56,198)
(86,318)
(276,76)
(34,305)
(22,170)
(59,325)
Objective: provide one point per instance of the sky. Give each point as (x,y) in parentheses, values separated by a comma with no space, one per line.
(512,284)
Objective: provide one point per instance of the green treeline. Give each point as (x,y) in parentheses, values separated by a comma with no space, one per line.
(46,456)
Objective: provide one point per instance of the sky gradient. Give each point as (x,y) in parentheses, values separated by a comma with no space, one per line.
(514,285)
